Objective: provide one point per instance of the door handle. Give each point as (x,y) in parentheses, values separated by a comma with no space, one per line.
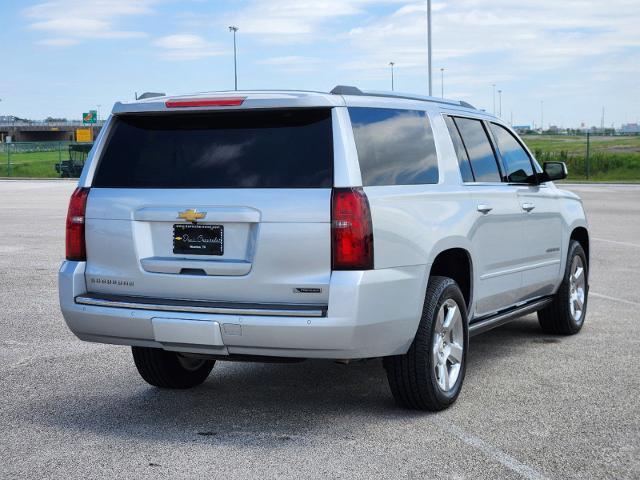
(482,208)
(528,206)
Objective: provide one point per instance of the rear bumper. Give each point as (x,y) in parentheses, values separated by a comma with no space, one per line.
(370,314)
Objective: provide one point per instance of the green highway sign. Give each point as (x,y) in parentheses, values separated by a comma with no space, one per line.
(90,117)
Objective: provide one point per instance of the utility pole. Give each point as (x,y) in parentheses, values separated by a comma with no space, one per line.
(541,116)
(234,29)
(602,121)
(500,103)
(391,64)
(442,82)
(429,46)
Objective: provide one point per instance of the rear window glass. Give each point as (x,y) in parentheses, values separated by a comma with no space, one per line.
(246,149)
(395,147)
(478,146)
(461,152)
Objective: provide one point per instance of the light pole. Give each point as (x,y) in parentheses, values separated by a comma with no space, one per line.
(541,116)
(234,29)
(391,64)
(442,82)
(494,98)
(429,46)
(500,103)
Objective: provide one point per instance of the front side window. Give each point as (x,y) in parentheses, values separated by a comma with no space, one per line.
(515,159)
(479,149)
(395,147)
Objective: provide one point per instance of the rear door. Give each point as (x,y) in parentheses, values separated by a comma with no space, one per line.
(496,236)
(220,206)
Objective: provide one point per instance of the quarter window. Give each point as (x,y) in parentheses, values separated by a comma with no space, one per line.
(515,159)
(395,147)
(479,149)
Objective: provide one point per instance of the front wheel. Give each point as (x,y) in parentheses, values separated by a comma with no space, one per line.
(164,369)
(565,314)
(430,375)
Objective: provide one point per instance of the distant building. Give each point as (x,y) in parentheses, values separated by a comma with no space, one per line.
(630,128)
(522,128)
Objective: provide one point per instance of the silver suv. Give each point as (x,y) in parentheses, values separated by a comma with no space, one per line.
(280,225)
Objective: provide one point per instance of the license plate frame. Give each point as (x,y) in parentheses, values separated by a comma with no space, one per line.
(198,239)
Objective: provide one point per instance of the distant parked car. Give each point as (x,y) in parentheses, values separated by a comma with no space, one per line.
(72,168)
(292,225)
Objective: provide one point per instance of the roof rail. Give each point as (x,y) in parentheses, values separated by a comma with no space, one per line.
(350,90)
(346,90)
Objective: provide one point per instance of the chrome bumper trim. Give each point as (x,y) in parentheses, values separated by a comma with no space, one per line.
(195,306)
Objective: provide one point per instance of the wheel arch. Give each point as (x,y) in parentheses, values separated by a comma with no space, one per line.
(581,235)
(456,263)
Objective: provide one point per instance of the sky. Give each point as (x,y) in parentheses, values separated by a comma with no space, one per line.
(559,61)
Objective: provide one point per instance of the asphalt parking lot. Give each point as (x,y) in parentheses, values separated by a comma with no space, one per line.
(533,405)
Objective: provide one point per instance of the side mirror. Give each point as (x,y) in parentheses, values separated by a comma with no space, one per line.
(554,171)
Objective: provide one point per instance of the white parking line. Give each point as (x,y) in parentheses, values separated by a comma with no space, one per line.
(492,452)
(627,244)
(615,299)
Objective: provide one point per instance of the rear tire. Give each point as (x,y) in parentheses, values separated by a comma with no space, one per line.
(164,369)
(430,375)
(566,314)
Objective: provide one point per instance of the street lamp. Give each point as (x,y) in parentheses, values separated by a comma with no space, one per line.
(234,29)
(391,64)
(429,45)
(500,103)
(442,82)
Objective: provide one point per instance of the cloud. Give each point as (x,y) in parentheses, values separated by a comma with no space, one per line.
(490,35)
(303,20)
(58,42)
(186,46)
(71,21)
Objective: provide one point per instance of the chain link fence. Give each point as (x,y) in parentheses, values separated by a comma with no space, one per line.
(39,159)
(604,158)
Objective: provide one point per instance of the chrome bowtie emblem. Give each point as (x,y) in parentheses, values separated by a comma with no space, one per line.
(192,215)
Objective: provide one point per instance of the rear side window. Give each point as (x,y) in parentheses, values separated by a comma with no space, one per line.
(244,149)
(463,158)
(479,149)
(515,159)
(395,147)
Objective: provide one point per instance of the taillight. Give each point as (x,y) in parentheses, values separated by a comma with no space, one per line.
(351,230)
(76,249)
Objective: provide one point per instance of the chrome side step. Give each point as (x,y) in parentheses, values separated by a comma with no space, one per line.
(482,325)
(199,306)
